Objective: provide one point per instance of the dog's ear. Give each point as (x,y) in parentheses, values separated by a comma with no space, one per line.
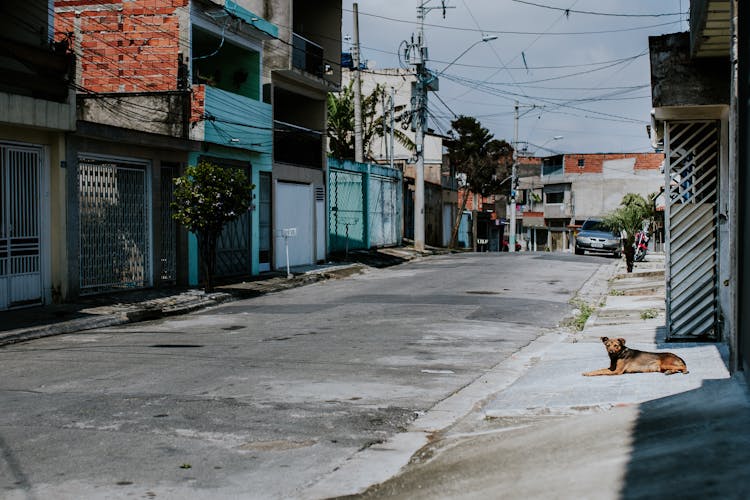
(604,339)
(621,341)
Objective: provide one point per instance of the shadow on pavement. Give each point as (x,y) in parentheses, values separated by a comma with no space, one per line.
(692,445)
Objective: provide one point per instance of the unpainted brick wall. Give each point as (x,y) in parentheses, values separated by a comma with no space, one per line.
(122,46)
(594,163)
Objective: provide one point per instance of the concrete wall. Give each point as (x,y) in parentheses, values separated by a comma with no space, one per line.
(679,80)
(157,113)
(596,196)
(318,21)
(39,113)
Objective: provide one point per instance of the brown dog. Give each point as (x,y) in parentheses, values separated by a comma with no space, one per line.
(626,360)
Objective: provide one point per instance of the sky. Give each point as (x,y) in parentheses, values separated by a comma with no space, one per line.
(581,77)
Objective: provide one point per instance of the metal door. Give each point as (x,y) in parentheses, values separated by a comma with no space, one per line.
(691,175)
(233,248)
(20,234)
(294,210)
(346,222)
(382,211)
(114,215)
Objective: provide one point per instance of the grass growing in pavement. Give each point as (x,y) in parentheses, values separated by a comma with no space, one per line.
(649,314)
(584,313)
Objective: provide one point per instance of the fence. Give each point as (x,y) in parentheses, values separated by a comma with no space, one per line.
(364,206)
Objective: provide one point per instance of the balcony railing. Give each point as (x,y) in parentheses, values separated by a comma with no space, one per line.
(307,56)
(297,145)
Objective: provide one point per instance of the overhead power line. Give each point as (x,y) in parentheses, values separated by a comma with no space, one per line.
(592,13)
(510,32)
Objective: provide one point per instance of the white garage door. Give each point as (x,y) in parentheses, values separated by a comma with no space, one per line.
(294,215)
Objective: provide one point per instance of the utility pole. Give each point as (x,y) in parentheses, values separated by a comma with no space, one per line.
(513,178)
(417,57)
(358,148)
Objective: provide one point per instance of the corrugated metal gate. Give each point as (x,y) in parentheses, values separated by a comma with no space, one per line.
(692,169)
(20,244)
(114,209)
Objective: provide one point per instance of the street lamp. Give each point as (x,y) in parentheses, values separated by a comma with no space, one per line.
(555,138)
(426,80)
(485,38)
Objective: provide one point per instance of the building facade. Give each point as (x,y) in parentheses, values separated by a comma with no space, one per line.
(302,66)
(37,110)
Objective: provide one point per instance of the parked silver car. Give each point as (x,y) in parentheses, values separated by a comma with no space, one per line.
(594,237)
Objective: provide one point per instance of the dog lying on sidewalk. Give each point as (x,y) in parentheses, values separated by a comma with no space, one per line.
(626,360)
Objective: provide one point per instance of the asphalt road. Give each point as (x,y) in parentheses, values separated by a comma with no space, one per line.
(264,398)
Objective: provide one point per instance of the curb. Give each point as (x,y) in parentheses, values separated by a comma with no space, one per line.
(151,310)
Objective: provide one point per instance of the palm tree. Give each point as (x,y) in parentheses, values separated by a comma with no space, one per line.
(628,219)
(340,127)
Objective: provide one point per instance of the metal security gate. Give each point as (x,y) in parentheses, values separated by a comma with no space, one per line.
(347,217)
(692,169)
(20,222)
(233,248)
(383,211)
(114,219)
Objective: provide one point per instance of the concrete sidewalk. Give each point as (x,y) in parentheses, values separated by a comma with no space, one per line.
(634,309)
(551,433)
(109,309)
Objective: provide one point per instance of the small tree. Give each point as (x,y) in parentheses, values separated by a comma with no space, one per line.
(484,161)
(629,219)
(207,197)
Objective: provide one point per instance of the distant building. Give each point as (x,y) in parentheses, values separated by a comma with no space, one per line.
(570,188)
(37,110)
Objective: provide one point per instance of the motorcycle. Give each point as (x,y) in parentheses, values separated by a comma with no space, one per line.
(641,245)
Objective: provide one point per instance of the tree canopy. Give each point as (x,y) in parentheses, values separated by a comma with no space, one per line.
(485,161)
